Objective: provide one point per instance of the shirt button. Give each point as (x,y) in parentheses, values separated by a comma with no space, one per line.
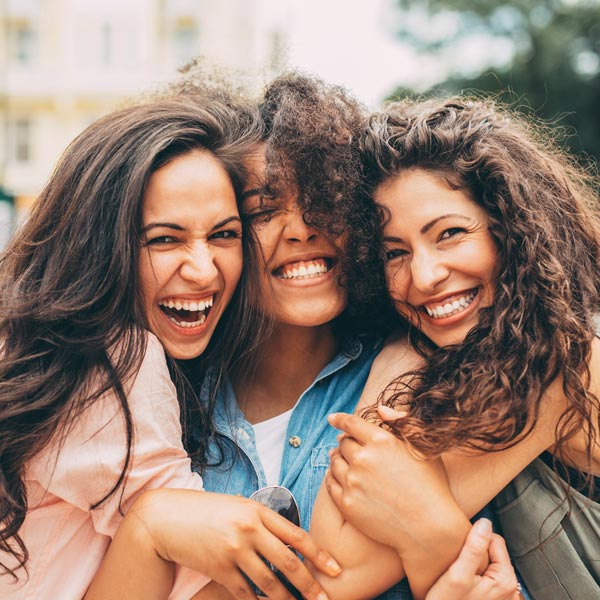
(295,441)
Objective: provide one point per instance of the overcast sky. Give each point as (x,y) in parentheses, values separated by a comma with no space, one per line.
(351,42)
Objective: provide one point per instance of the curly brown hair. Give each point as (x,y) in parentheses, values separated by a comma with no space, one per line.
(312,142)
(487,392)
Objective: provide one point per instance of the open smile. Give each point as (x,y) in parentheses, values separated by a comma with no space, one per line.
(450,306)
(187,313)
(305,269)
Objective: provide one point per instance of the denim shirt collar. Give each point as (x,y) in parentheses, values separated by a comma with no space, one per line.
(228,417)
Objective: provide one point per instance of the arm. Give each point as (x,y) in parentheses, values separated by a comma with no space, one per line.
(425,556)
(418,530)
(220,535)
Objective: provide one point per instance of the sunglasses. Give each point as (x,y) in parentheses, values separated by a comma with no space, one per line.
(282,501)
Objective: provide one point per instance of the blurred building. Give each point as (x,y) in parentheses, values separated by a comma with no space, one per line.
(64,63)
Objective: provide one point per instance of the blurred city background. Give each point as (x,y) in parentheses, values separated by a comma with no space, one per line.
(64,63)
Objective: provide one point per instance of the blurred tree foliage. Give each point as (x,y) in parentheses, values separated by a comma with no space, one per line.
(554,50)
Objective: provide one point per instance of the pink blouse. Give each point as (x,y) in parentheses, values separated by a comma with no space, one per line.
(66,540)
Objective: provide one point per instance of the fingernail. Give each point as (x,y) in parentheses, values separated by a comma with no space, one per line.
(389,413)
(331,418)
(322,596)
(483,527)
(334,567)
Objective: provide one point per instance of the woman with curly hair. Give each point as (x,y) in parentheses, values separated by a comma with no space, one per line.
(133,250)
(491,250)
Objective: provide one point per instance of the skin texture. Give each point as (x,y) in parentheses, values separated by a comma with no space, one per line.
(438,250)
(192,250)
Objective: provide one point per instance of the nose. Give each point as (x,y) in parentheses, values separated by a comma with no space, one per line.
(296,228)
(428,270)
(198,265)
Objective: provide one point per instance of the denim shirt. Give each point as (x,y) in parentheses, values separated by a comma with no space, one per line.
(305,460)
(309,436)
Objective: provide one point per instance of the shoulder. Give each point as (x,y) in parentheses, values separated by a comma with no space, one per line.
(397,357)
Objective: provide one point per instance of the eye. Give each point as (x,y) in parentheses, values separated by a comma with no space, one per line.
(261,215)
(227,234)
(394,253)
(452,232)
(160,239)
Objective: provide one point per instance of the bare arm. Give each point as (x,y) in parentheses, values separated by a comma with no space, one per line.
(216,534)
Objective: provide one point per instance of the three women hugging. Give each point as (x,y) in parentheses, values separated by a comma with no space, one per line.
(206,278)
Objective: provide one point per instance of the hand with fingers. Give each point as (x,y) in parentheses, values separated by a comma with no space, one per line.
(219,535)
(383,489)
(462,581)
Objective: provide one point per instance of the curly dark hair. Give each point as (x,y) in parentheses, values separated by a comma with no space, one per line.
(69,286)
(312,138)
(487,392)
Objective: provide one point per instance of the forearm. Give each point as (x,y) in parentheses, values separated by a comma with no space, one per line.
(369,567)
(131,567)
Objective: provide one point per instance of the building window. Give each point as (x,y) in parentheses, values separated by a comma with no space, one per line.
(22,140)
(23,38)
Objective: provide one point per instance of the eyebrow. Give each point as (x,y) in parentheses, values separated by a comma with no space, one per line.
(177,227)
(427,226)
(252,192)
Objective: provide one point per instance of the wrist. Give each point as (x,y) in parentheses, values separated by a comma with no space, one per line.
(440,534)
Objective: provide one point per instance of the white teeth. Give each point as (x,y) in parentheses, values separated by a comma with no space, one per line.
(190,306)
(311,269)
(187,325)
(451,308)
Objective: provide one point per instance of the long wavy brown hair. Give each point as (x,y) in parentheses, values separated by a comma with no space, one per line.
(69,287)
(487,392)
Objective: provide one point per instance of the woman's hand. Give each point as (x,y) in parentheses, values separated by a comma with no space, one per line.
(219,535)
(461,581)
(384,490)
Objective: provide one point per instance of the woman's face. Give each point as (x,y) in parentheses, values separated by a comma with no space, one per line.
(192,255)
(440,256)
(301,270)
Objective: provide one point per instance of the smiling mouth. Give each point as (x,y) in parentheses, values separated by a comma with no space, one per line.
(305,269)
(451,306)
(186,313)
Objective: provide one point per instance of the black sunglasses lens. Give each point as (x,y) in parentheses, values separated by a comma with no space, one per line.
(282,501)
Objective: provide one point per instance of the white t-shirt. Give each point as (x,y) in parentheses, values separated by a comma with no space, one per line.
(270,438)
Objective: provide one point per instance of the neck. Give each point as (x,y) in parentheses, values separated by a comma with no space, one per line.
(288,363)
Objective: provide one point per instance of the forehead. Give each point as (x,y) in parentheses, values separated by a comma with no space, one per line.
(414,187)
(193,182)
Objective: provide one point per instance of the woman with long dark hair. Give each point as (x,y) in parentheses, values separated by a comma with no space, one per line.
(133,250)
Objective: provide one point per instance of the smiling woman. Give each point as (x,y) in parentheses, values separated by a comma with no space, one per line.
(491,249)
(440,258)
(192,258)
